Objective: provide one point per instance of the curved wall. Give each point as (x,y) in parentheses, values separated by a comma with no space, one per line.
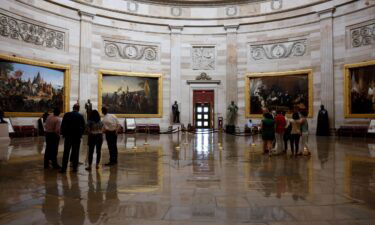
(227,32)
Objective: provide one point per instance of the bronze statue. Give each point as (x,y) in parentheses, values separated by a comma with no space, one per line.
(176,113)
(88,107)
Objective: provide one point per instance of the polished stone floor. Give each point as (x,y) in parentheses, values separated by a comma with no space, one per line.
(193,179)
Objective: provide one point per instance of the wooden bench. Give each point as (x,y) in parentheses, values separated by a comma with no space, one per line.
(151,128)
(25,131)
(353,129)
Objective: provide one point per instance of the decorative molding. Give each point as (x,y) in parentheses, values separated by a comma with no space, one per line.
(276,4)
(362,36)
(176,11)
(231,10)
(279,50)
(203,82)
(31,33)
(132,6)
(131,51)
(203,76)
(203,57)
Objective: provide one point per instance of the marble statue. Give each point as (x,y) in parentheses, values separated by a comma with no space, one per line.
(232,114)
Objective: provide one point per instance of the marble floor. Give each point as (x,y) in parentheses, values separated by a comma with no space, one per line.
(193,179)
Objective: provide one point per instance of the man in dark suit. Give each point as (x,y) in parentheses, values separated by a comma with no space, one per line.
(72,128)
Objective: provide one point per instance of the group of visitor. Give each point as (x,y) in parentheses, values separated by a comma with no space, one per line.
(72,127)
(278,130)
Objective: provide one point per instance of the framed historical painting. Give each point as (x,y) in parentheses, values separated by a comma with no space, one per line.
(288,91)
(130,94)
(29,87)
(359,90)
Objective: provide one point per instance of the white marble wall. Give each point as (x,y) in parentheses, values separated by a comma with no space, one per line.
(228,31)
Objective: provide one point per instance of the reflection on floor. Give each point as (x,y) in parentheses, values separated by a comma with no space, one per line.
(192,179)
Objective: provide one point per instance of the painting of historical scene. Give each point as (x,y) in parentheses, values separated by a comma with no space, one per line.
(285,92)
(130,95)
(26,88)
(362,90)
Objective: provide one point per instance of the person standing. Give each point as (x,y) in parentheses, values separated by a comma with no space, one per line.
(288,129)
(322,128)
(295,134)
(268,132)
(95,137)
(111,126)
(305,131)
(280,129)
(52,135)
(72,128)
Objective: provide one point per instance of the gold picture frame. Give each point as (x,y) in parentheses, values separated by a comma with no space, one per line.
(347,90)
(49,65)
(103,73)
(305,72)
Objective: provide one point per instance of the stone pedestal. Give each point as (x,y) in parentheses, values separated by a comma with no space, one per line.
(230,129)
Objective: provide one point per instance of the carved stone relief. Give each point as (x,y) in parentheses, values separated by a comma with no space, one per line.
(203,76)
(131,51)
(132,6)
(278,50)
(276,4)
(231,10)
(176,11)
(203,57)
(362,36)
(31,33)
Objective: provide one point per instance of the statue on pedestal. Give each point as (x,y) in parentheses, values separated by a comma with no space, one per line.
(232,114)
(322,128)
(88,107)
(231,118)
(176,113)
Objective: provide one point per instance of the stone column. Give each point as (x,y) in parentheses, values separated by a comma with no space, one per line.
(175,89)
(326,63)
(231,76)
(85,58)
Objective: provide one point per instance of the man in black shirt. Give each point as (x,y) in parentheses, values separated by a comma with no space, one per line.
(72,128)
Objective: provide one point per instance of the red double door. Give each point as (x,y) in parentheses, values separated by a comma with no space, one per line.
(203,111)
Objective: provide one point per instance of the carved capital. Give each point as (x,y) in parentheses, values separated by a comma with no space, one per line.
(176,29)
(326,13)
(231,28)
(86,16)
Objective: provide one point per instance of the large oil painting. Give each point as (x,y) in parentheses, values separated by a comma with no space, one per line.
(285,91)
(29,88)
(129,94)
(360,90)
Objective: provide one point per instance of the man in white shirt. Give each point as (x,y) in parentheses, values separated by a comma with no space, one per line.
(111,126)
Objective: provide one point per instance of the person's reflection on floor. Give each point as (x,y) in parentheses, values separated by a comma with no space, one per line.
(95,198)
(112,201)
(72,212)
(51,206)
